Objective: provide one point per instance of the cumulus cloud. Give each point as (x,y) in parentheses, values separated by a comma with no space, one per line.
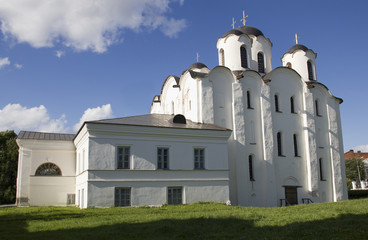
(83,24)
(362,148)
(18,66)
(4,62)
(16,117)
(97,113)
(59,53)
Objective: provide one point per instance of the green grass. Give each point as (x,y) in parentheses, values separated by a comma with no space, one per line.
(342,220)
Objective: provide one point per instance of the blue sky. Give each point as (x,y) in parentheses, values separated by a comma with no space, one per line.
(68,61)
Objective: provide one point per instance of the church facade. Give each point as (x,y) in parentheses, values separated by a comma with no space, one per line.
(241,132)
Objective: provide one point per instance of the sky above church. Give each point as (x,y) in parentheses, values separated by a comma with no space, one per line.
(64,62)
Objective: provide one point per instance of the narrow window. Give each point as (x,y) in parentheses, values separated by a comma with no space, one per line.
(261,68)
(310,70)
(251,173)
(123,161)
(122,197)
(292,108)
(84,160)
(277,106)
(249,103)
(317,108)
(162,158)
(243,57)
(222,57)
(198,158)
(288,65)
(48,169)
(321,176)
(296,153)
(174,195)
(279,144)
(70,199)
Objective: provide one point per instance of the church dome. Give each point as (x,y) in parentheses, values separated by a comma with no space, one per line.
(197,65)
(245,30)
(298,47)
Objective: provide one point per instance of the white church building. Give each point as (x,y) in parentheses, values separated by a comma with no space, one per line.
(241,132)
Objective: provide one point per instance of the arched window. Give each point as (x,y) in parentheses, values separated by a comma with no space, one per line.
(295,139)
(292,108)
(222,57)
(48,169)
(249,103)
(243,57)
(310,71)
(321,175)
(277,106)
(317,108)
(261,67)
(279,144)
(251,170)
(288,65)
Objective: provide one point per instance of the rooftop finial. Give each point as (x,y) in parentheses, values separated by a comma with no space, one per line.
(233,23)
(243,19)
(296,38)
(197,56)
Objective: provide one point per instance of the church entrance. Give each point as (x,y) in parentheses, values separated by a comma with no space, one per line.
(291,195)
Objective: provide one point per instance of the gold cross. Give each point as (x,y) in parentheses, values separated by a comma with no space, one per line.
(197,57)
(243,19)
(296,38)
(233,23)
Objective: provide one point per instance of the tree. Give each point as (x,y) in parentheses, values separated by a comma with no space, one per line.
(352,166)
(8,166)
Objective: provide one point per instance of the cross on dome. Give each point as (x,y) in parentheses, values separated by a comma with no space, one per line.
(296,38)
(233,23)
(197,56)
(243,19)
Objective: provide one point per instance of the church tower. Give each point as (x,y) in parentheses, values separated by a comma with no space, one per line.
(245,48)
(302,60)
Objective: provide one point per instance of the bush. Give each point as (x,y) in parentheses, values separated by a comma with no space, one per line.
(355,194)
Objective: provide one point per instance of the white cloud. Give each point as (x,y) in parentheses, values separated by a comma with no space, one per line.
(16,117)
(59,53)
(83,24)
(4,62)
(362,148)
(97,113)
(18,66)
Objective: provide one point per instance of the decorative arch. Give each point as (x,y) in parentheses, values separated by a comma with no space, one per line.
(48,169)
(290,181)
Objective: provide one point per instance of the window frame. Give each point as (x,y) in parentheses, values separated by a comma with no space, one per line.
(321,170)
(163,163)
(296,145)
(249,102)
(277,103)
(310,71)
(175,195)
(40,171)
(292,105)
(126,164)
(317,108)
(199,159)
(279,144)
(122,196)
(222,57)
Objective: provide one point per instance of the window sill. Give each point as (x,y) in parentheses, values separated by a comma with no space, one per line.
(253,143)
(323,180)
(251,108)
(252,180)
(278,111)
(281,155)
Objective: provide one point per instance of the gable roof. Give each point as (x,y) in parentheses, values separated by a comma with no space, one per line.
(45,136)
(158,120)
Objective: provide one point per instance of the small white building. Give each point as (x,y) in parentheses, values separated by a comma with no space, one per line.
(242,132)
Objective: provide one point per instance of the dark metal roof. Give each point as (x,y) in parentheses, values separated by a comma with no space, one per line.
(197,65)
(245,30)
(158,120)
(45,136)
(298,47)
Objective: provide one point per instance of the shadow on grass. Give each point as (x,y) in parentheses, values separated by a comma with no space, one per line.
(348,226)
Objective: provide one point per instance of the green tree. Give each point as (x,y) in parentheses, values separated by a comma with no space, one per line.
(8,166)
(351,166)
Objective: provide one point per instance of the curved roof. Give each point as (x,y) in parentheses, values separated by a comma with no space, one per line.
(248,30)
(197,65)
(298,47)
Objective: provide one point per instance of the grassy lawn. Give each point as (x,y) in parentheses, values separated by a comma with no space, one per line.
(342,220)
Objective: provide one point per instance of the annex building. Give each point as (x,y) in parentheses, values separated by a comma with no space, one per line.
(241,132)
